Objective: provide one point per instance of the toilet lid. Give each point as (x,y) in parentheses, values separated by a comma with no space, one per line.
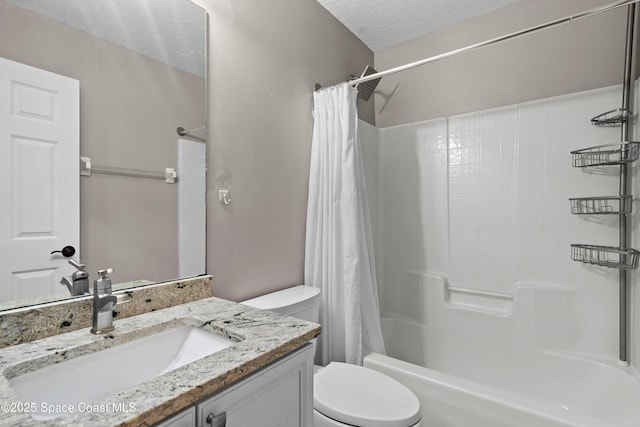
(361,396)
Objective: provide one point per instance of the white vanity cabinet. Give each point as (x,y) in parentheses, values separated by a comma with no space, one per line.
(280,394)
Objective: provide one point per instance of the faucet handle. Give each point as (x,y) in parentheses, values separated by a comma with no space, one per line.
(102,274)
(77,265)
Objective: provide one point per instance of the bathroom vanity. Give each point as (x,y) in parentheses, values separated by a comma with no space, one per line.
(277,395)
(263,376)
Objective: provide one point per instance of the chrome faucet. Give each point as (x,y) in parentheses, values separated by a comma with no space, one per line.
(104,302)
(78,282)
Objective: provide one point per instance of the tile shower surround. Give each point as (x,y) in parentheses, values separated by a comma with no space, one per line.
(482,198)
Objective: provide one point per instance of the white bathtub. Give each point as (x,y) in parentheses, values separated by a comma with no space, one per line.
(496,367)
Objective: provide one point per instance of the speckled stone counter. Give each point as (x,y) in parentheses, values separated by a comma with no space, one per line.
(262,336)
(30,323)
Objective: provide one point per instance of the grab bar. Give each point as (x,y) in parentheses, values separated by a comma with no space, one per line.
(493,294)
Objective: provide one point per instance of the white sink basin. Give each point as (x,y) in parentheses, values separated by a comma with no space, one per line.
(95,376)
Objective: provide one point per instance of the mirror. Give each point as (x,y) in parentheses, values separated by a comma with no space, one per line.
(141,68)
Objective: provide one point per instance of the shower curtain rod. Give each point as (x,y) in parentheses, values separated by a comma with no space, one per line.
(187,132)
(530,30)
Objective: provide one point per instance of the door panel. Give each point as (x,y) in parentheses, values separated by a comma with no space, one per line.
(39,179)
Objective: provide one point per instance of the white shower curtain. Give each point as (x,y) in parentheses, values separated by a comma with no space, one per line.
(339,251)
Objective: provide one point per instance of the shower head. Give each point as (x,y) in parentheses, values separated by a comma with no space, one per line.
(365,90)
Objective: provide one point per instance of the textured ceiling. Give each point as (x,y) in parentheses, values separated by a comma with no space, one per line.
(384,23)
(169,31)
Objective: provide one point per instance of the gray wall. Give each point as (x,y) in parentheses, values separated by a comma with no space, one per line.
(266,57)
(584,54)
(130,108)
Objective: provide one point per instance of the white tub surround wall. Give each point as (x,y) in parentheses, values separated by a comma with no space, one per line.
(508,344)
(482,199)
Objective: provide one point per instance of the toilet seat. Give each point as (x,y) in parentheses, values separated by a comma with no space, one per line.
(360,396)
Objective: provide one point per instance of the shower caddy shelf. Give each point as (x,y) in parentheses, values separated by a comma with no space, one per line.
(606,256)
(612,118)
(605,155)
(605,205)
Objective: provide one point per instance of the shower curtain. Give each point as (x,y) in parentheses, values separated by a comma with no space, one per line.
(339,251)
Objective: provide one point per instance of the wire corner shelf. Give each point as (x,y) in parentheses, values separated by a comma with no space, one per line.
(606,256)
(612,118)
(603,155)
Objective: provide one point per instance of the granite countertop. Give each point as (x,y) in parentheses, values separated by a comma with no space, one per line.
(262,337)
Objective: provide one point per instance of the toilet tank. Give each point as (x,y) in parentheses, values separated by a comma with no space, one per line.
(301,302)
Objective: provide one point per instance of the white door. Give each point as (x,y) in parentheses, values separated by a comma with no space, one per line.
(39,179)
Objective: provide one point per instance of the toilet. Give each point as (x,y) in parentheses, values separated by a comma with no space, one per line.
(345,395)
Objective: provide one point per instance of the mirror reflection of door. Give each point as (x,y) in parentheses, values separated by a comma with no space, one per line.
(39,179)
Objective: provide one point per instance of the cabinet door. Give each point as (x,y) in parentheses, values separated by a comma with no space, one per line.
(279,395)
(186,418)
